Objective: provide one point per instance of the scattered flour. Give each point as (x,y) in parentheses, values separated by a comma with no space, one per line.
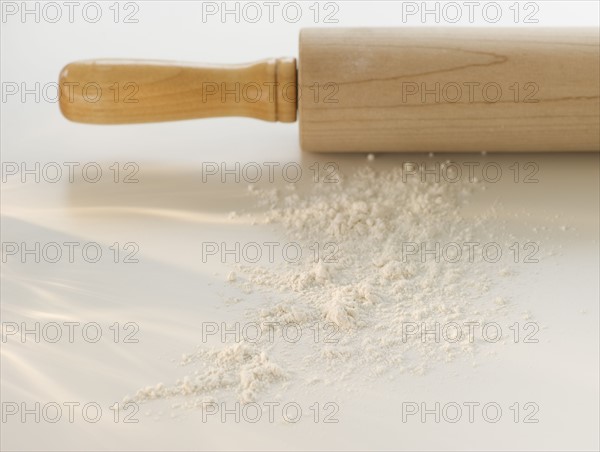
(239,367)
(364,290)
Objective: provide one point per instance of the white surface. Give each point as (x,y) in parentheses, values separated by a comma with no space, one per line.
(170,212)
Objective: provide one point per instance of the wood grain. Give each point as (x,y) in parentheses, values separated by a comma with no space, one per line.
(115,91)
(366,80)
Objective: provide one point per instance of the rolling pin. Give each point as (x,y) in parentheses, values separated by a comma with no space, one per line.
(375,90)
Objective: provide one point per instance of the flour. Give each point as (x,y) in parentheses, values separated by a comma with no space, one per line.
(240,368)
(363,288)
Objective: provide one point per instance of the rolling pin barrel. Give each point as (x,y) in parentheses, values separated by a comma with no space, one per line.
(435,89)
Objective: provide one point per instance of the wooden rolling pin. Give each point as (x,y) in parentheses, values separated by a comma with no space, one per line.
(376,89)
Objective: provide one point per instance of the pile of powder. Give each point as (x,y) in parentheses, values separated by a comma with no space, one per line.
(364,288)
(239,368)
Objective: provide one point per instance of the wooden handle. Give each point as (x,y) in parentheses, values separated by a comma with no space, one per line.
(449,89)
(117,92)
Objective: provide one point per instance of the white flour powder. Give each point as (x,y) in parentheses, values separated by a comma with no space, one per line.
(364,292)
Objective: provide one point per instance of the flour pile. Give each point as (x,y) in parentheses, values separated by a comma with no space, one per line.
(381,305)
